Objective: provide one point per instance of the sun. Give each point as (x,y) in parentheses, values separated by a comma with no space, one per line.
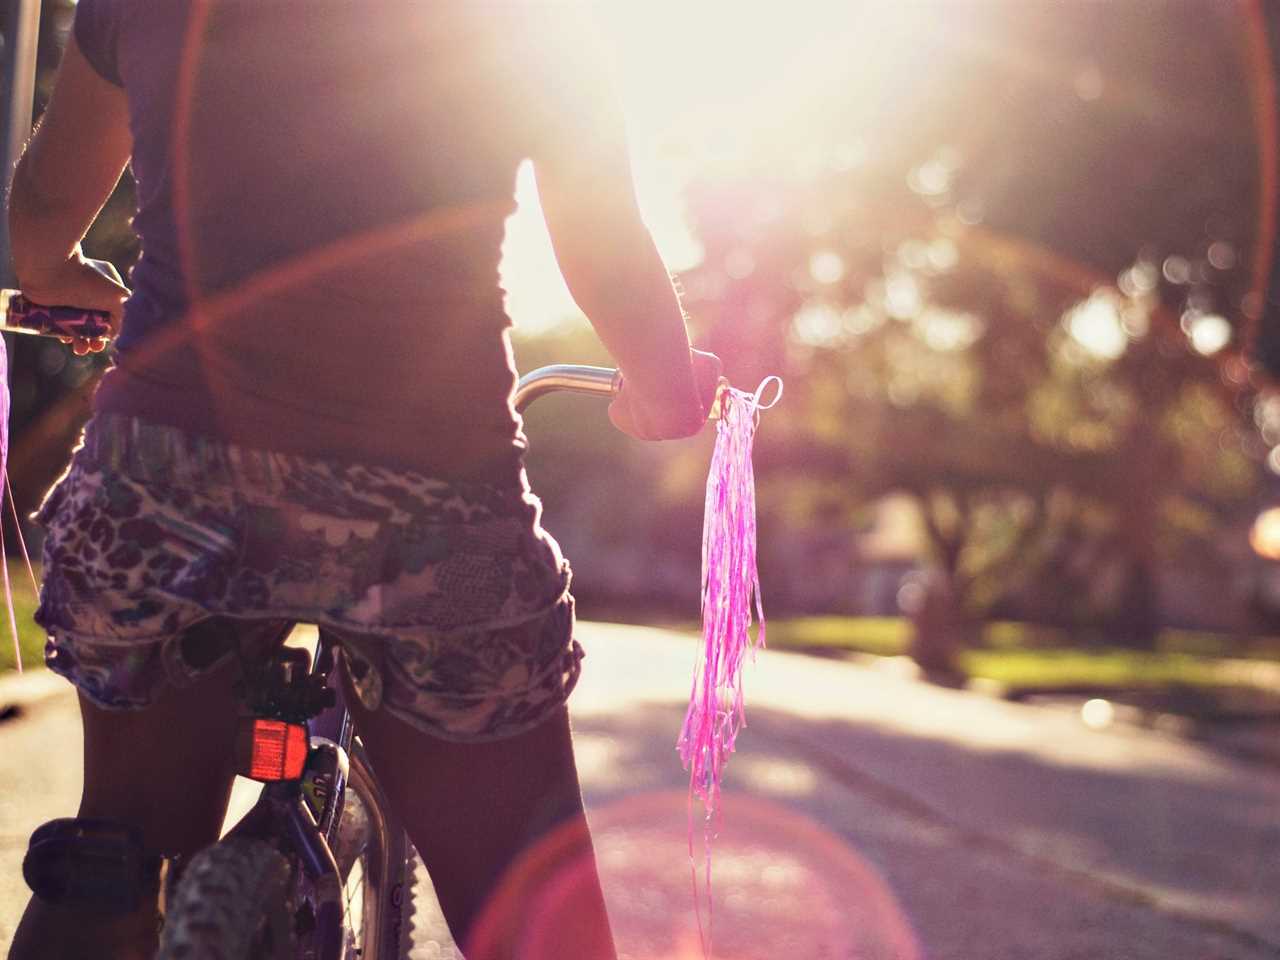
(698,82)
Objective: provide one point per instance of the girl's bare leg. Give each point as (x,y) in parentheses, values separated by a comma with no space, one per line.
(472,810)
(166,770)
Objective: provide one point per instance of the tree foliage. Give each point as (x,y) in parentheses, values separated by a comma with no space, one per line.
(1017,306)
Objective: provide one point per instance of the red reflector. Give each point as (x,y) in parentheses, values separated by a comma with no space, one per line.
(279,750)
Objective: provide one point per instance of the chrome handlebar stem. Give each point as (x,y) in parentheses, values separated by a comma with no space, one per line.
(567,378)
(592,381)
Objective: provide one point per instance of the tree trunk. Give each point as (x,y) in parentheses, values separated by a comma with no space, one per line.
(1138,620)
(941,630)
(1137,623)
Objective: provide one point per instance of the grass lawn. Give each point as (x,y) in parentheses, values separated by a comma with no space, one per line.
(30,637)
(881,636)
(1024,656)
(1092,669)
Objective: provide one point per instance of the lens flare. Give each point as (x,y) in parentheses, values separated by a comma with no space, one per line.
(784,887)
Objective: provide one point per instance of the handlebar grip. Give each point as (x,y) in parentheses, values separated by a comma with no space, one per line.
(23,316)
(715,409)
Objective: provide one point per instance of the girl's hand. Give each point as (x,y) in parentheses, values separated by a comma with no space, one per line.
(654,416)
(84,283)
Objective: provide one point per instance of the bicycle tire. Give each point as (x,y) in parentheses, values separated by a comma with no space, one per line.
(371,838)
(235,898)
(231,904)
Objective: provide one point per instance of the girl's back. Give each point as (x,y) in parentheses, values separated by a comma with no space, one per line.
(326,182)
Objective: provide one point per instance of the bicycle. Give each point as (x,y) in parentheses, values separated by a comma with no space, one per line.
(319,868)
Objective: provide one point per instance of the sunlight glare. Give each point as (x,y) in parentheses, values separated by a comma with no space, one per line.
(704,87)
(537,299)
(1095,325)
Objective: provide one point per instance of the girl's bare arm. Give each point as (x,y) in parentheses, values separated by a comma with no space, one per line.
(611,266)
(64,177)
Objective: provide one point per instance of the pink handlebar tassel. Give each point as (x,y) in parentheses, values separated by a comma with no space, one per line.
(729,583)
(6,492)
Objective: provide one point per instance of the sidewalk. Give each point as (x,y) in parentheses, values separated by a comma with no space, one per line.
(866,815)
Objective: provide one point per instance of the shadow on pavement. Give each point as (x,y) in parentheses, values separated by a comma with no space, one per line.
(982,851)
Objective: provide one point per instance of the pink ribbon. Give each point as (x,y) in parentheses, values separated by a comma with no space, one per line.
(6,492)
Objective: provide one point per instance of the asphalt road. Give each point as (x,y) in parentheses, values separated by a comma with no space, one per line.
(865,815)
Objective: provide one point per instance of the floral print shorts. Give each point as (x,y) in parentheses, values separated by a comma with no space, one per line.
(165,553)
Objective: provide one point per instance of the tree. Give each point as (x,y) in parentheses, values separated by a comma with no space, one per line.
(1027,339)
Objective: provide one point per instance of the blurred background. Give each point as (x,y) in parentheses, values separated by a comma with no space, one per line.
(1011,260)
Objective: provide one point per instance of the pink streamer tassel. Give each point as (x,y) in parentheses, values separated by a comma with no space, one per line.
(729,581)
(6,491)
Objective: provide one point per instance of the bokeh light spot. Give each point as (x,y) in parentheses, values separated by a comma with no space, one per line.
(1097,714)
(1222,255)
(943,254)
(861,319)
(1096,326)
(1264,537)
(817,324)
(826,266)
(930,179)
(1139,279)
(948,330)
(1176,269)
(1209,332)
(902,296)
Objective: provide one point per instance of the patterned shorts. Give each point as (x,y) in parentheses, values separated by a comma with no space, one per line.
(448,601)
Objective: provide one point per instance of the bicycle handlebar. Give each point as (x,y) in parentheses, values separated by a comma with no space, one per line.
(567,378)
(20,315)
(583,379)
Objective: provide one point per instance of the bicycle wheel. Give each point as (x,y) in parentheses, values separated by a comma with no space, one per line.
(240,899)
(373,856)
(233,903)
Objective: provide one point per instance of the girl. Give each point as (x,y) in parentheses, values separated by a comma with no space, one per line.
(309,415)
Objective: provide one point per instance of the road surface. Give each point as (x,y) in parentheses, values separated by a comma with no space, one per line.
(866,815)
